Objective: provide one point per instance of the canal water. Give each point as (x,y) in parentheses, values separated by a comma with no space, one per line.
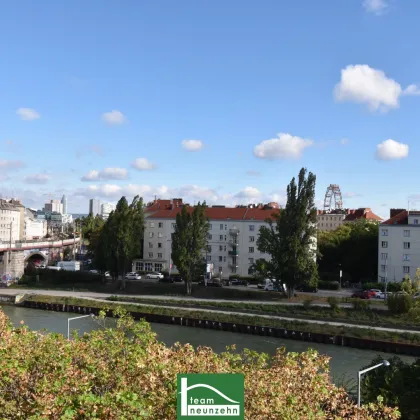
(344,364)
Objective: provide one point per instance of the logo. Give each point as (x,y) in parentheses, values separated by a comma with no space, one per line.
(214,396)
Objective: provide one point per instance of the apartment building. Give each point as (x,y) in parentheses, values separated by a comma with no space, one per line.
(232,238)
(54,206)
(332,220)
(399,246)
(94,207)
(9,221)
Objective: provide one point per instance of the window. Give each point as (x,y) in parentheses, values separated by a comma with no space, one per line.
(150,245)
(252,239)
(210,226)
(209,248)
(233,270)
(384,232)
(152,224)
(383,267)
(209,237)
(251,228)
(406,245)
(159,244)
(225,238)
(224,248)
(225,227)
(173,225)
(160,224)
(251,249)
(220,259)
(160,255)
(416,221)
(208,258)
(251,260)
(150,254)
(151,234)
(220,269)
(250,271)
(139,266)
(220,247)
(384,256)
(407,233)
(406,269)
(384,244)
(158,267)
(406,257)
(382,279)
(221,237)
(224,259)
(148,266)
(221,226)
(160,235)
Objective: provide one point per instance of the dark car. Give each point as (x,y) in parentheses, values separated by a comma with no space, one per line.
(177,279)
(306,288)
(212,283)
(238,282)
(166,280)
(363,294)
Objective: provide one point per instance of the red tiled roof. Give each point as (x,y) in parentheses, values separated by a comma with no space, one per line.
(362,213)
(220,213)
(399,219)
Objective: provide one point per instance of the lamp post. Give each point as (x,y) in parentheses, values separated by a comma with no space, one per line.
(361,372)
(72,319)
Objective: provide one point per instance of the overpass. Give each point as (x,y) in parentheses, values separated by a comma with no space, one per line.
(14,255)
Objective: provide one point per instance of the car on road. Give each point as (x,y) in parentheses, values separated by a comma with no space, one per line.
(214,282)
(363,294)
(132,276)
(107,275)
(238,282)
(94,271)
(381,295)
(177,278)
(156,276)
(376,291)
(306,288)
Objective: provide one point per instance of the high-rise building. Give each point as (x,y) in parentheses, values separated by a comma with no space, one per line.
(64,204)
(54,206)
(106,209)
(94,206)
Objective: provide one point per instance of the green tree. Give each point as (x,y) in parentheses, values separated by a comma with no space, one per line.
(260,268)
(67,254)
(290,237)
(189,241)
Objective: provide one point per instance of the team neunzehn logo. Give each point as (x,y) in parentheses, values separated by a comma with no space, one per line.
(214,396)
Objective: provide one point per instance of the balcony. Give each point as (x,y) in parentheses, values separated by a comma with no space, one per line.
(234,253)
(233,242)
(233,266)
(234,231)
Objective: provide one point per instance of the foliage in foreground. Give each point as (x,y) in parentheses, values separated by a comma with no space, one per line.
(126,373)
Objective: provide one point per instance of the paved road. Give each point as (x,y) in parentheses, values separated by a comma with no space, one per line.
(101,297)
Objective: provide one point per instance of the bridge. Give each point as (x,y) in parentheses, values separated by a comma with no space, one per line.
(14,255)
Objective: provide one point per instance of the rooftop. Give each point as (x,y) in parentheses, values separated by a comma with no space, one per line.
(362,213)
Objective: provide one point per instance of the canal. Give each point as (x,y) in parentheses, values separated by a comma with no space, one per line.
(345,361)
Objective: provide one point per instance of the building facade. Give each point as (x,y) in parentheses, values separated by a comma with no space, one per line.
(34,228)
(399,246)
(54,206)
(106,209)
(64,204)
(94,207)
(232,238)
(333,219)
(10,216)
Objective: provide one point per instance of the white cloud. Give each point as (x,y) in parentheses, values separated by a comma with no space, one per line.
(106,174)
(28,114)
(285,146)
(9,165)
(362,84)
(142,164)
(412,90)
(37,179)
(249,192)
(391,149)
(192,145)
(375,6)
(114,117)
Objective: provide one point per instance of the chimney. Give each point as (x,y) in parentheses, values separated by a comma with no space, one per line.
(394,212)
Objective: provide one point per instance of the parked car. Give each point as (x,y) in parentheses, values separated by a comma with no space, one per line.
(107,275)
(306,288)
(132,276)
(177,278)
(363,294)
(381,295)
(94,271)
(238,282)
(214,282)
(154,276)
(166,280)
(376,291)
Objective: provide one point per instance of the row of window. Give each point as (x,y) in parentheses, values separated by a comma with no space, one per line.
(159,255)
(384,244)
(406,232)
(224,237)
(405,257)
(140,266)
(159,245)
(251,228)
(406,268)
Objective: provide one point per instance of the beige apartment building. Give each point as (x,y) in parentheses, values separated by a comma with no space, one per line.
(333,219)
(399,246)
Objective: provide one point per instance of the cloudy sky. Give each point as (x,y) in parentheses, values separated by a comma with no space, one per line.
(223,101)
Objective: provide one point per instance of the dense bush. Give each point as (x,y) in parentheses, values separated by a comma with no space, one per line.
(360,304)
(125,373)
(334,303)
(328,285)
(307,303)
(67,277)
(399,303)
(391,286)
(394,287)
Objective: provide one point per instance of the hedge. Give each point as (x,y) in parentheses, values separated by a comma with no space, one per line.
(328,285)
(391,287)
(65,277)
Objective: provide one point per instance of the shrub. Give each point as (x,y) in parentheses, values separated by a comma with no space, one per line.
(399,303)
(125,373)
(334,303)
(307,303)
(394,287)
(368,286)
(328,285)
(67,277)
(360,304)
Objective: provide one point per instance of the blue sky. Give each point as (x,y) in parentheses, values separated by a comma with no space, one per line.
(98,97)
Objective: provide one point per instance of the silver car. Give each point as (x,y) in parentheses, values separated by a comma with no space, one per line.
(132,276)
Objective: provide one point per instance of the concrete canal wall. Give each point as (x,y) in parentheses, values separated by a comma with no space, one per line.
(338,340)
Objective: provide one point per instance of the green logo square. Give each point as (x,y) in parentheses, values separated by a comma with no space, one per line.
(211,395)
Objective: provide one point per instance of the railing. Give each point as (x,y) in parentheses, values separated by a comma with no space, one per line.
(233,265)
(37,244)
(233,253)
(234,231)
(233,242)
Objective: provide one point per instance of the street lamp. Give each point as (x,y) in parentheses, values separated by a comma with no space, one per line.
(361,372)
(72,319)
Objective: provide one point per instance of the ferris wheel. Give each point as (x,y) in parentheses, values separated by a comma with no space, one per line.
(333,192)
